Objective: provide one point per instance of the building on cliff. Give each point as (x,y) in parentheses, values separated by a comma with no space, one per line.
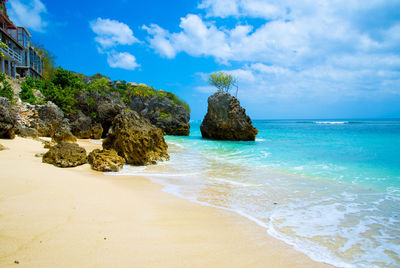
(19,57)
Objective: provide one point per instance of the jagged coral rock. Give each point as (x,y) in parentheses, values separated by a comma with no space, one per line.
(136,139)
(105,160)
(65,155)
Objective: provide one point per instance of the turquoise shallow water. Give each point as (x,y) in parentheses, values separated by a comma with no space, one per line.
(330,188)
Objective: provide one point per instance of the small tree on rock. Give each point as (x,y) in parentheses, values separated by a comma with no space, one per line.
(222,81)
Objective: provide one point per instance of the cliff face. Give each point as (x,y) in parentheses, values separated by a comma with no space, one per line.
(162,112)
(227,120)
(92,106)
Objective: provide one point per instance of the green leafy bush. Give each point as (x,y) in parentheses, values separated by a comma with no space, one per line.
(141,90)
(6,89)
(100,86)
(67,79)
(27,88)
(222,81)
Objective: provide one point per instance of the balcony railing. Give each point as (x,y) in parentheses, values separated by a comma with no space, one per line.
(12,54)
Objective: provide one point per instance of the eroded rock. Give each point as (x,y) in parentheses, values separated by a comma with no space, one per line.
(172,118)
(50,118)
(8,121)
(83,127)
(105,160)
(136,139)
(65,155)
(63,134)
(227,120)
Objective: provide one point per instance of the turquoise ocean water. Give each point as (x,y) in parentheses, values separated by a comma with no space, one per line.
(330,188)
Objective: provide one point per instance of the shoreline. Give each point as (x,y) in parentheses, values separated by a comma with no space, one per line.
(79,217)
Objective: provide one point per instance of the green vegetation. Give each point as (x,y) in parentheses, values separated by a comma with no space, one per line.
(5,88)
(165,115)
(101,85)
(62,89)
(141,90)
(27,88)
(222,81)
(65,86)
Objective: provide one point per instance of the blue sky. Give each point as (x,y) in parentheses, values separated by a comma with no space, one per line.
(293,59)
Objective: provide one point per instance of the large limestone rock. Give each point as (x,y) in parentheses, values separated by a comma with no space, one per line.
(106,160)
(50,118)
(227,120)
(173,119)
(83,127)
(136,139)
(65,155)
(63,134)
(7,120)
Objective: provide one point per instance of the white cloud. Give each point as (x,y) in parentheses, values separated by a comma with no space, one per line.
(123,60)
(220,8)
(111,33)
(302,49)
(28,13)
(197,39)
(253,8)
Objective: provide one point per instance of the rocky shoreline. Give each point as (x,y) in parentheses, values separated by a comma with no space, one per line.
(133,125)
(132,119)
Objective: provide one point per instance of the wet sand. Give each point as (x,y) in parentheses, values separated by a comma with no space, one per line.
(76,217)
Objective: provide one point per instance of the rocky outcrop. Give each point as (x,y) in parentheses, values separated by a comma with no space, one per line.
(2,148)
(65,155)
(105,160)
(26,116)
(102,109)
(8,121)
(27,132)
(49,119)
(162,112)
(83,127)
(136,139)
(63,134)
(227,120)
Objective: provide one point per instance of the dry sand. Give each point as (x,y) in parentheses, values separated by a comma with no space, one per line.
(75,217)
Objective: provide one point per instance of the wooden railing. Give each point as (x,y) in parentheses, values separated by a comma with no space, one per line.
(12,53)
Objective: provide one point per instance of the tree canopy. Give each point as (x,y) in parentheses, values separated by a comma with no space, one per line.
(222,81)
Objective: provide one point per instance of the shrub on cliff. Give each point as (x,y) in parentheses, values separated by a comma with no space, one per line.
(27,90)
(6,89)
(100,85)
(26,93)
(61,90)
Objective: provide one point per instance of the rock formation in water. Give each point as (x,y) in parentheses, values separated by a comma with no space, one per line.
(227,120)
(136,139)
(105,160)
(65,155)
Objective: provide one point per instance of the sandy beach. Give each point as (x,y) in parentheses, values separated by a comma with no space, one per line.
(76,217)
